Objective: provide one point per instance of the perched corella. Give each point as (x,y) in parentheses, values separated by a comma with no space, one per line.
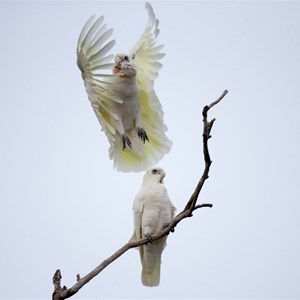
(123,98)
(153,211)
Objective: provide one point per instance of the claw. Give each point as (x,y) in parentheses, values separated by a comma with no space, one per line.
(149,237)
(126,140)
(166,225)
(142,135)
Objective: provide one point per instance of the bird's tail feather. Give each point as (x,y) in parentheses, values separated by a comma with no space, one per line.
(151,278)
(142,155)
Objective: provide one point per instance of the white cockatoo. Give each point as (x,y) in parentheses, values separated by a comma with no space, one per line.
(124,100)
(153,211)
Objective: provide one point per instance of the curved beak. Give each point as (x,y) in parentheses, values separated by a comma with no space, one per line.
(162,175)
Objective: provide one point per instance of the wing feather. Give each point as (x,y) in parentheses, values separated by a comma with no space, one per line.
(99,41)
(84,31)
(145,53)
(102,51)
(93,61)
(91,33)
(138,208)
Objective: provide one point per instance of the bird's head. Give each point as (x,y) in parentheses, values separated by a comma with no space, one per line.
(121,59)
(124,66)
(155,174)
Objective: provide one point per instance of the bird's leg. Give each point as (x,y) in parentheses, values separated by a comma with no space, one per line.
(126,141)
(140,130)
(142,134)
(149,237)
(125,138)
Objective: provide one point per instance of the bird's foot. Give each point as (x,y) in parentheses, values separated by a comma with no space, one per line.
(149,238)
(166,225)
(126,141)
(142,134)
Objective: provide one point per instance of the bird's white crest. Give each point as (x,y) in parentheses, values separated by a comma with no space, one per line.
(124,100)
(152,211)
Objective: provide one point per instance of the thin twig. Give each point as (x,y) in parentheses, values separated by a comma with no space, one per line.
(61,293)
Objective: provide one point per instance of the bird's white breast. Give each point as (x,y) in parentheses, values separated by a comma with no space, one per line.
(156,208)
(126,88)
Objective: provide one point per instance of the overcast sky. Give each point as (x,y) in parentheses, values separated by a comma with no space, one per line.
(62,204)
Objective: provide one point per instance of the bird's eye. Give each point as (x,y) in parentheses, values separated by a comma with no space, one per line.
(154,171)
(126,58)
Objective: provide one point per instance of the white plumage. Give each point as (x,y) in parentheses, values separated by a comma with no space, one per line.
(153,211)
(125,102)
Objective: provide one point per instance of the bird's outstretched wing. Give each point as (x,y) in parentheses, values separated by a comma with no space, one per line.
(92,60)
(145,54)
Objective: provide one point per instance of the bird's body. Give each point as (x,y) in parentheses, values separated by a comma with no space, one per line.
(126,87)
(125,102)
(153,211)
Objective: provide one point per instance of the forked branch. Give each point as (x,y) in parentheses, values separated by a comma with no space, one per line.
(61,293)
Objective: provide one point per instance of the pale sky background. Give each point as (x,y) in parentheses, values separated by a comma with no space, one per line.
(62,204)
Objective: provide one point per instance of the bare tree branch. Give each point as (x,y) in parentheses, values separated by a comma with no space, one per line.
(61,293)
(207,126)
